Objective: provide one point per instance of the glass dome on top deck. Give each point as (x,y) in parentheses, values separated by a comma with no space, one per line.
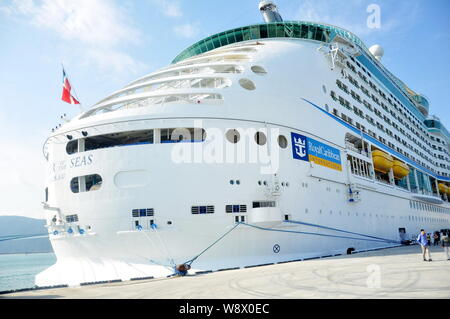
(287,29)
(422,102)
(434,124)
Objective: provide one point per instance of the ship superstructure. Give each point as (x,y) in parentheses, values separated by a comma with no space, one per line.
(267,143)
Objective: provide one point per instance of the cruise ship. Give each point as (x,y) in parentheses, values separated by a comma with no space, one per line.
(268,143)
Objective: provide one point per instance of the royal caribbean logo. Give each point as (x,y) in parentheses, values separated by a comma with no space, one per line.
(310,150)
(299,147)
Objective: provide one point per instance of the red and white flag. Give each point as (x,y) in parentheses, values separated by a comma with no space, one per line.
(67,95)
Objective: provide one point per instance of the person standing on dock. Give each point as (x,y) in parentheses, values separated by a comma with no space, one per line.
(423,241)
(445,243)
(436,238)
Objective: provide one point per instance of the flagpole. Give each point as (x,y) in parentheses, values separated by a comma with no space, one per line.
(82,109)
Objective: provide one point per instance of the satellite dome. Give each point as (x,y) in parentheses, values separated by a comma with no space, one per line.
(377,51)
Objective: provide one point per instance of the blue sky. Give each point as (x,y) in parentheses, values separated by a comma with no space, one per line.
(105,44)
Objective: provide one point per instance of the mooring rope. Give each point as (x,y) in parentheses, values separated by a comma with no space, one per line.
(338,230)
(317,234)
(189,262)
(17,237)
(369,237)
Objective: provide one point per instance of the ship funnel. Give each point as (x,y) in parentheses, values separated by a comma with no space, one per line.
(269,11)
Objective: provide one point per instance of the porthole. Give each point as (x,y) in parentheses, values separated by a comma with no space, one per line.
(233,136)
(260,138)
(247,84)
(72,147)
(258,70)
(282,141)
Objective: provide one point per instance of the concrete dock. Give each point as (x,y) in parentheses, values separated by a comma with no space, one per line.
(389,273)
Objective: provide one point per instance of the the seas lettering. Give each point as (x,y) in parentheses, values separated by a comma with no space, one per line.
(81,161)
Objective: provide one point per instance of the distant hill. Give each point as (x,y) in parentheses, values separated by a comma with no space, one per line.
(17,225)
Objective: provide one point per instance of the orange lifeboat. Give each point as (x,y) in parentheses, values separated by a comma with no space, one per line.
(400,169)
(443,188)
(382,162)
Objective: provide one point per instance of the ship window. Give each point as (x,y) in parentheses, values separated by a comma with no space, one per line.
(282,141)
(247,84)
(87,183)
(143,137)
(112,140)
(201,210)
(72,147)
(176,135)
(143,212)
(74,185)
(236,209)
(264,204)
(72,218)
(258,70)
(46,195)
(233,136)
(260,138)
(119,139)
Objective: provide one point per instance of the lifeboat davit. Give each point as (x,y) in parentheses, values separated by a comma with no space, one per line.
(382,162)
(400,169)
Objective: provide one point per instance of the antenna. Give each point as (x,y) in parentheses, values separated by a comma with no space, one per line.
(269,11)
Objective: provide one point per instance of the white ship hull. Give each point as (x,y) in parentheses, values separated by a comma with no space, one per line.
(291,98)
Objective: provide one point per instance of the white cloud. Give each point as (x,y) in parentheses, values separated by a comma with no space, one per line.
(108,59)
(91,26)
(187,30)
(172,10)
(169,8)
